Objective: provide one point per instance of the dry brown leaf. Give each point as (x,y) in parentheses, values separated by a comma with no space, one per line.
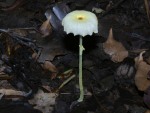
(114,48)
(119,56)
(46,28)
(148,111)
(141,76)
(12,92)
(50,67)
(35,55)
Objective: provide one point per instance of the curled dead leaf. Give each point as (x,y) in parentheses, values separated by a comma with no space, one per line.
(141,76)
(139,59)
(114,48)
(46,28)
(119,56)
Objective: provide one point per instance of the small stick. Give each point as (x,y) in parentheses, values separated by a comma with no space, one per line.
(138,50)
(71,94)
(147,9)
(65,82)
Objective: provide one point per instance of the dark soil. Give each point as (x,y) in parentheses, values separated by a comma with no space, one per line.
(107,90)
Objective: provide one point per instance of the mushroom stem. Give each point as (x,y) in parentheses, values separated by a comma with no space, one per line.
(81,49)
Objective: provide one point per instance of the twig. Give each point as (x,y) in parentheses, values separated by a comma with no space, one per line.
(12,30)
(71,94)
(147,9)
(5,77)
(65,82)
(13,6)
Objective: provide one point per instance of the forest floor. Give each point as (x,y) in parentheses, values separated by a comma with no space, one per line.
(37,57)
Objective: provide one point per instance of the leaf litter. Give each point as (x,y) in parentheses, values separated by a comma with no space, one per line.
(35,60)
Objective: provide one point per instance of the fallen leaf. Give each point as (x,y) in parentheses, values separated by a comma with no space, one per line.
(12,92)
(50,67)
(44,101)
(46,28)
(119,56)
(35,56)
(148,111)
(141,76)
(115,49)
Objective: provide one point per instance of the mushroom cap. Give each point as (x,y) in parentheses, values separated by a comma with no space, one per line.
(80,22)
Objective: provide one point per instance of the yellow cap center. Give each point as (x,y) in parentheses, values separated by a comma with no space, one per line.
(80,17)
